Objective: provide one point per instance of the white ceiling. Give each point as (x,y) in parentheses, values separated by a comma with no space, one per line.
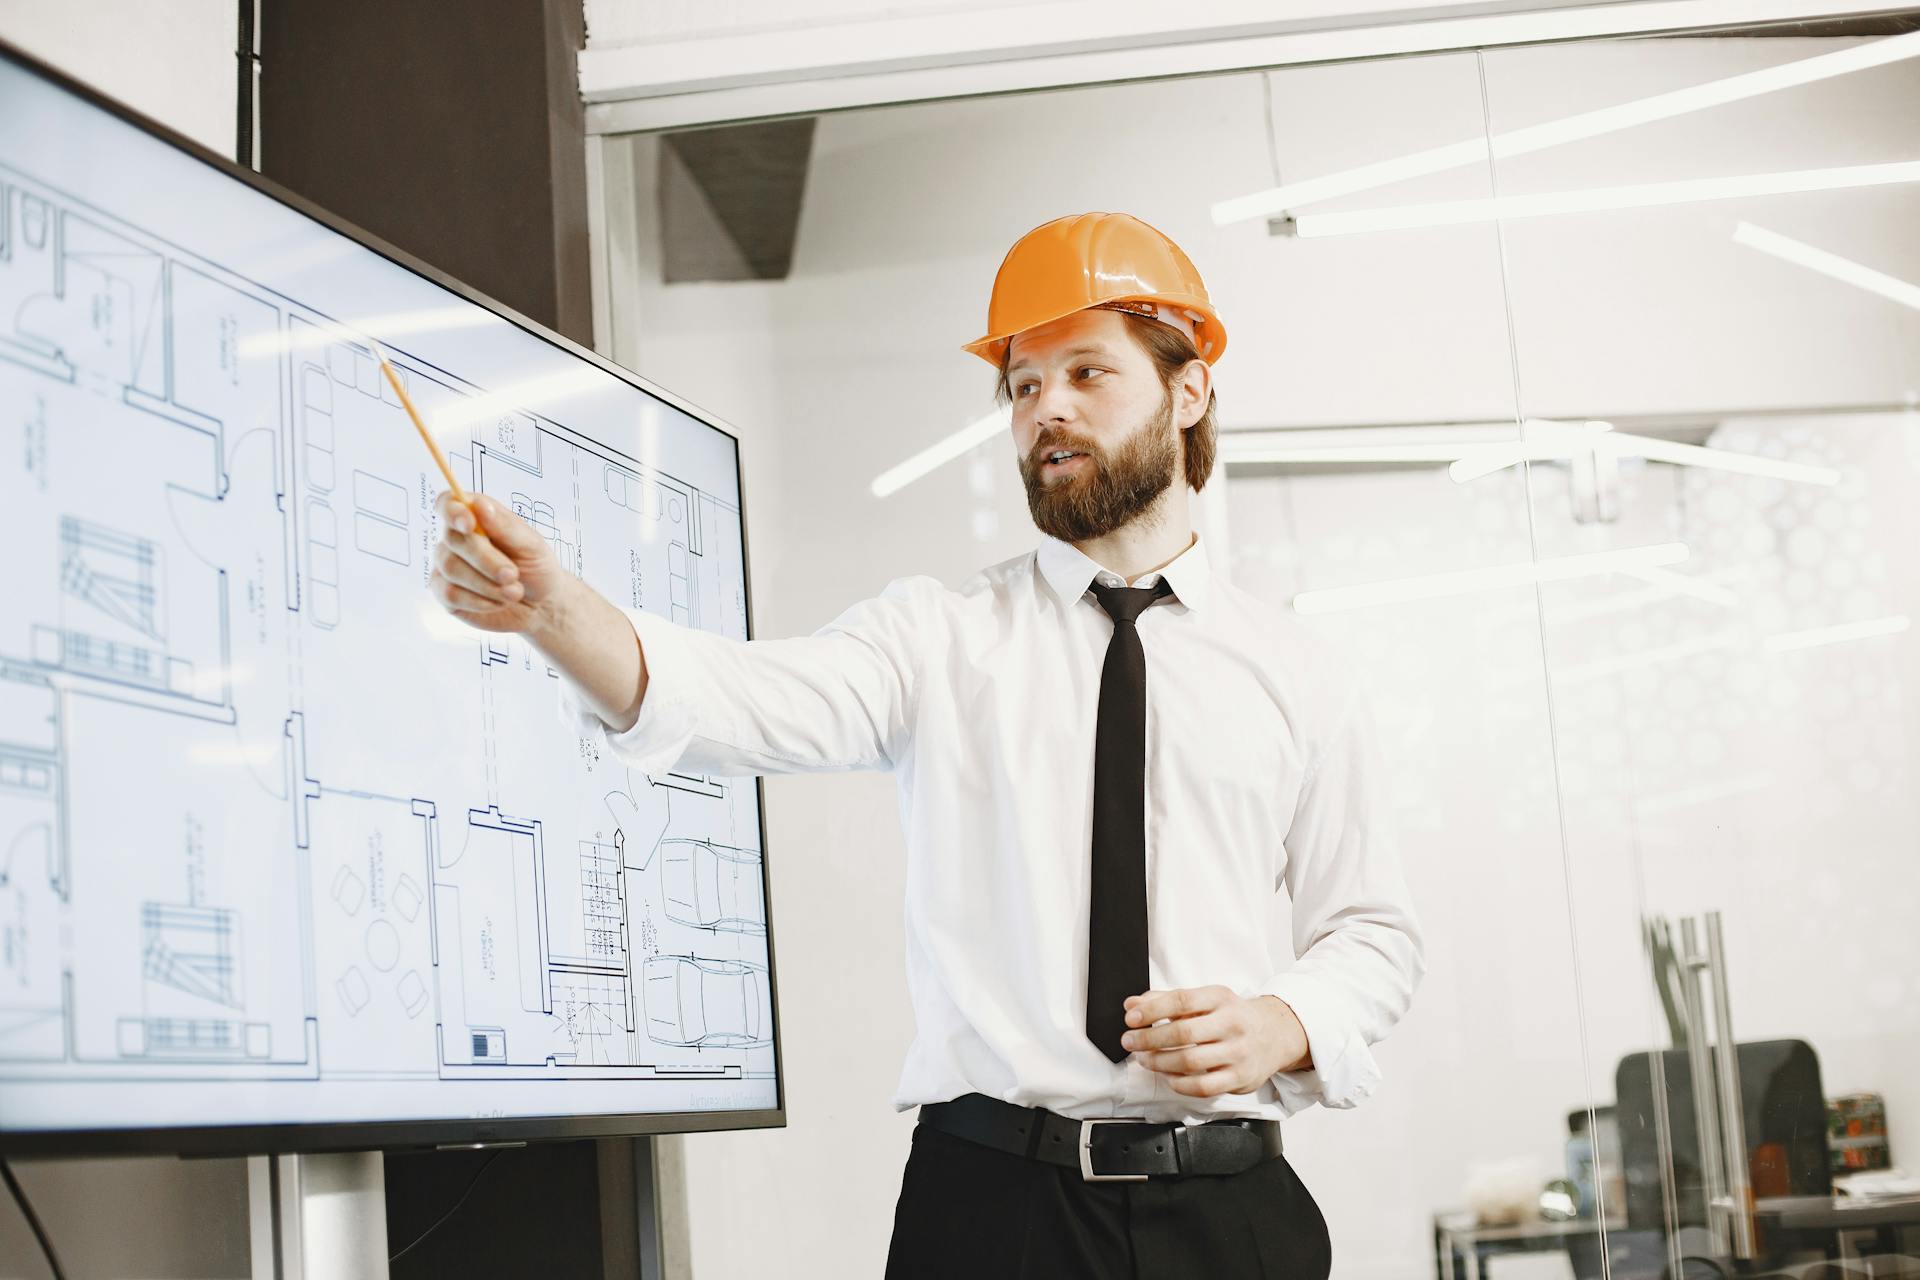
(654,65)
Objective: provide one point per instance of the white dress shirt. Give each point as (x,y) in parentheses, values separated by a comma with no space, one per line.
(982,701)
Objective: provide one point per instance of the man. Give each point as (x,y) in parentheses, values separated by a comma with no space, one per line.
(1109,758)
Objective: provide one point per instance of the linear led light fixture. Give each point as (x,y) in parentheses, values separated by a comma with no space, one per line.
(1473,450)
(1541,440)
(1729,639)
(1552,133)
(441,626)
(1683,584)
(1807,639)
(1448,213)
(542,389)
(393,324)
(965,440)
(215,754)
(1465,581)
(1436,443)
(1664,585)
(1827,264)
(1580,673)
(1549,441)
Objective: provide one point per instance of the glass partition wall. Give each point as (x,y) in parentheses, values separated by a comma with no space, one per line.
(1370,357)
(1724,368)
(1606,497)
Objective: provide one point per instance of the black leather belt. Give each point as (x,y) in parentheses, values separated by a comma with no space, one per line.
(1119,1150)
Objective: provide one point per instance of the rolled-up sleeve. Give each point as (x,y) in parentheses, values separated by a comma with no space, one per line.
(841,698)
(1358,944)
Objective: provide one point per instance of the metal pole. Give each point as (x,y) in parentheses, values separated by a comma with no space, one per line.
(1700,1068)
(1733,1116)
(263,1219)
(319,1217)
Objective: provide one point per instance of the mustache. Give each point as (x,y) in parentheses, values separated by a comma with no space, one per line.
(1054,438)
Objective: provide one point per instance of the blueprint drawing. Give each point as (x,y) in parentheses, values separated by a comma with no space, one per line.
(269,817)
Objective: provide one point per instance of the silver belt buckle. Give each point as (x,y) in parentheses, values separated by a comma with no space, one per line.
(1086,1153)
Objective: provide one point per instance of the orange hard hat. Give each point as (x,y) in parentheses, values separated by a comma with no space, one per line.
(1097,260)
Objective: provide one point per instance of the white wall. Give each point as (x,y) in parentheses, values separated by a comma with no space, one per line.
(172,61)
(168,1217)
(851,364)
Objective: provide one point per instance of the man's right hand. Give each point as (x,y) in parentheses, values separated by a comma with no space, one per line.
(491,569)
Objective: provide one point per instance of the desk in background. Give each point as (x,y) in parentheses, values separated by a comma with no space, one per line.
(1460,1233)
(1831,1226)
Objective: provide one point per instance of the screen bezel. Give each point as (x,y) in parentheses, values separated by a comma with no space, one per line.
(318,1136)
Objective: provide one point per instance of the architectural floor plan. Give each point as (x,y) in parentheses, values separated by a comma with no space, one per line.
(268,816)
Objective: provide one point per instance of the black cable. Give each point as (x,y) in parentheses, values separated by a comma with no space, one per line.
(33,1220)
(247,88)
(441,1220)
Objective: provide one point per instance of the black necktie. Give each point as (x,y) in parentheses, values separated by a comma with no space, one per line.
(1117,912)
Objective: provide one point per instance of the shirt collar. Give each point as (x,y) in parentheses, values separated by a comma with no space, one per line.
(1070,571)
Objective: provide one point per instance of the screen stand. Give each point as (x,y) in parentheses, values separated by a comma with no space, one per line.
(318,1217)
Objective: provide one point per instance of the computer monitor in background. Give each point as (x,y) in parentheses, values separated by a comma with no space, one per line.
(1785,1119)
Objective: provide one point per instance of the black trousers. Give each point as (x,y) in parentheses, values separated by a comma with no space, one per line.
(970,1211)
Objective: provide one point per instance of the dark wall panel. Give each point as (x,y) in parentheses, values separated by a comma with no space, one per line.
(452,128)
(533,1211)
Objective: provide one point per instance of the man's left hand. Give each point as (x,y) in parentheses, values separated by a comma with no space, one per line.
(1217,1041)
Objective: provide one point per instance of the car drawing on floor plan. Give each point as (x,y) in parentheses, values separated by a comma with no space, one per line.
(713,886)
(694,1000)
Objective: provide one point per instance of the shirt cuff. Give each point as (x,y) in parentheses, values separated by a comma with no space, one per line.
(1344,1071)
(664,729)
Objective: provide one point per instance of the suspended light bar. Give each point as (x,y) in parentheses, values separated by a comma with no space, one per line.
(1665,586)
(1436,443)
(1729,638)
(1832,265)
(1834,635)
(968,438)
(1493,577)
(1448,213)
(1549,441)
(1473,450)
(392,324)
(542,390)
(1541,440)
(1683,584)
(1553,133)
(1693,455)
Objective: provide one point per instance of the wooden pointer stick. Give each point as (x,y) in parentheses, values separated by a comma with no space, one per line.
(407,403)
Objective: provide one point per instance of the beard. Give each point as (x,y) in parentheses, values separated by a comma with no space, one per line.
(1118,486)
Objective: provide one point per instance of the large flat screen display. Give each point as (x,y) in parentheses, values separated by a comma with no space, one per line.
(289,857)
